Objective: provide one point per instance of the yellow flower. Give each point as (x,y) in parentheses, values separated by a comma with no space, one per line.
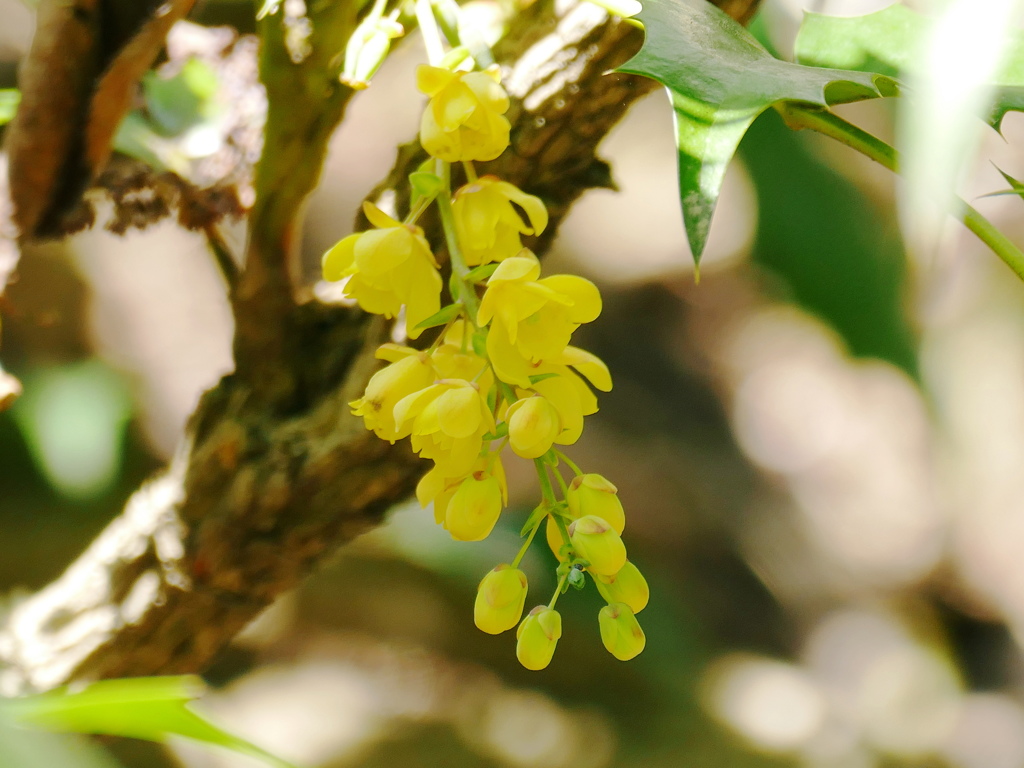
(465,117)
(500,599)
(620,631)
(592,494)
(438,488)
(627,586)
(475,507)
(537,636)
(449,420)
(531,319)
(597,542)
(452,362)
(410,372)
(487,224)
(387,268)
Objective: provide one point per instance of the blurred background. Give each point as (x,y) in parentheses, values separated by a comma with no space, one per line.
(818,447)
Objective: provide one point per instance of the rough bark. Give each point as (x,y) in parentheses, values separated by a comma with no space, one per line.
(276,473)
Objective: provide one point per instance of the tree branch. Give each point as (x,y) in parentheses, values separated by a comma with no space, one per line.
(276,472)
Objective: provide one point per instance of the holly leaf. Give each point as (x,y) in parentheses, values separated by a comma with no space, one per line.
(1016,186)
(151,708)
(888,42)
(719,80)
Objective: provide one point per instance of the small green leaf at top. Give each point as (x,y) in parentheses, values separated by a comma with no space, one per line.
(442,317)
(150,708)
(889,42)
(719,80)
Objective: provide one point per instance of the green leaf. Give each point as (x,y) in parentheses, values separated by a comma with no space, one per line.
(719,79)
(442,317)
(538,514)
(1016,186)
(9,100)
(889,42)
(150,708)
(425,184)
(827,247)
(541,377)
(178,103)
(481,273)
(479,343)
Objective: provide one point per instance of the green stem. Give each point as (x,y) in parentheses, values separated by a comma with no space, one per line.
(545,482)
(572,465)
(833,126)
(526,544)
(431,34)
(467,166)
(467,294)
(558,590)
(420,208)
(563,530)
(561,481)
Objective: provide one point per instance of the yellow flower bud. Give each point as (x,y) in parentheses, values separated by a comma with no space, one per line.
(386,387)
(627,586)
(620,631)
(487,224)
(500,599)
(533,425)
(464,119)
(592,494)
(474,509)
(537,636)
(597,542)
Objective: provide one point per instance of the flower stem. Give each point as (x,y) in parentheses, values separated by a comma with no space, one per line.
(467,294)
(431,34)
(563,530)
(833,126)
(467,166)
(545,482)
(572,465)
(526,544)
(558,590)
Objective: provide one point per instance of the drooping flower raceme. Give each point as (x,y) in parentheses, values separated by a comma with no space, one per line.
(501,372)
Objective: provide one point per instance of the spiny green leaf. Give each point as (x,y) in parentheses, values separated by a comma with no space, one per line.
(1016,186)
(151,708)
(719,79)
(9,100)
(442,317)
(889,42)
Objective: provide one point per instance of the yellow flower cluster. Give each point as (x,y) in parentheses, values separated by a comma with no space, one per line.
(500,373)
